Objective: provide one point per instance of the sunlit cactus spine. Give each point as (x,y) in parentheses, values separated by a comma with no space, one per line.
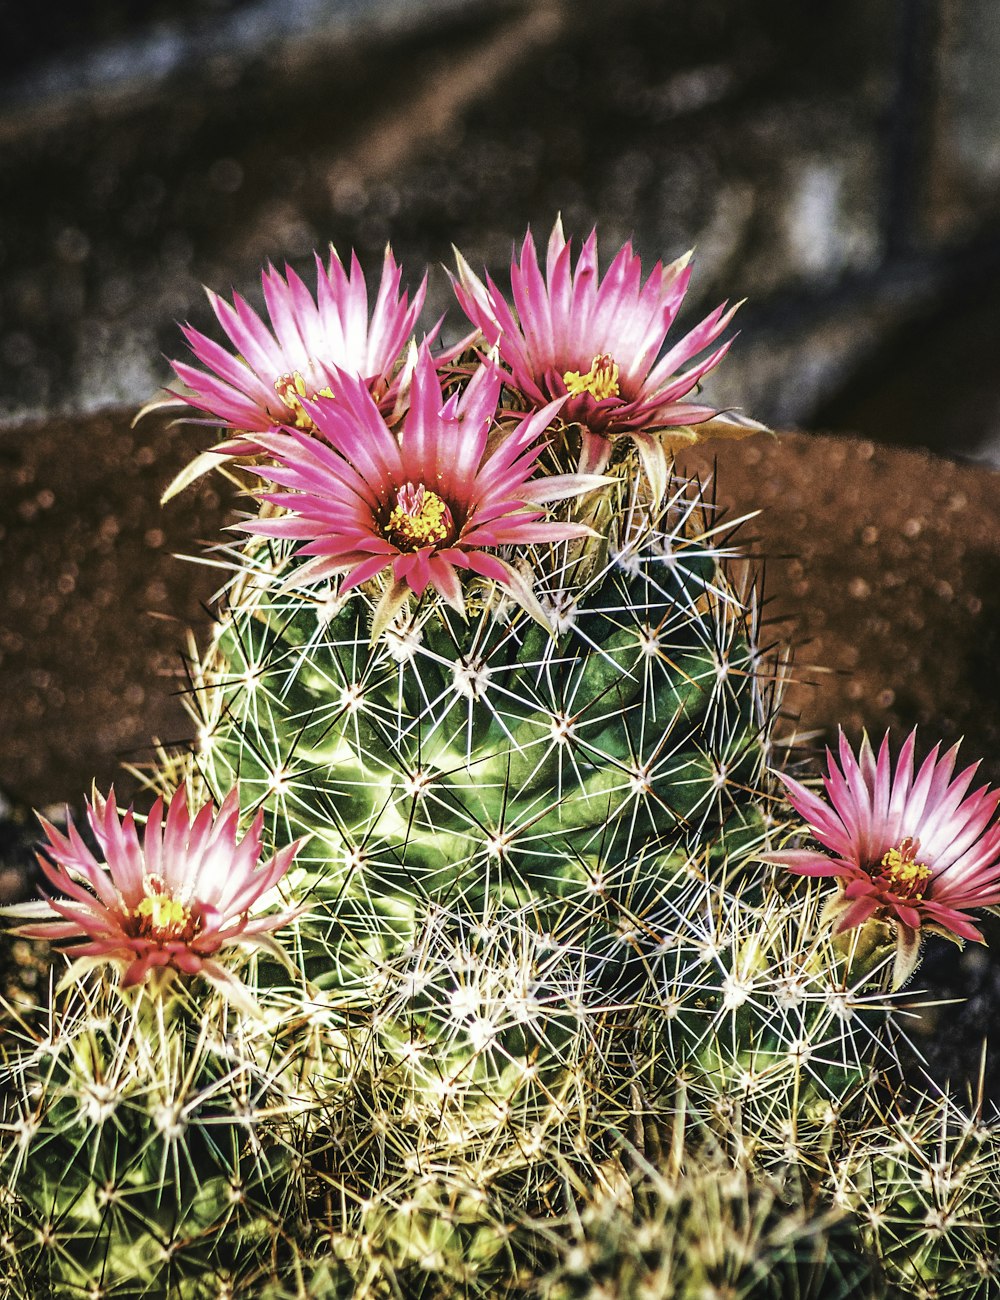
(148,1151)
(923,1182)
(764,1032)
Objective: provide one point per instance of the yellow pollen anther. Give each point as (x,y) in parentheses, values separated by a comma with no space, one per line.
(419,518)
(163,913)
(161,916)
(902,874)
(291,389)
(600,381)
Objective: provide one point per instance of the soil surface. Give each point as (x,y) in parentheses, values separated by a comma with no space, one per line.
(96,602)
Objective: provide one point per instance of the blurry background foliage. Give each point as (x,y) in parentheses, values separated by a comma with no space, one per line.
(836,163)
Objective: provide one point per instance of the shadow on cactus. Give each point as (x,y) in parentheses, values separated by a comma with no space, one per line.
(708,1228)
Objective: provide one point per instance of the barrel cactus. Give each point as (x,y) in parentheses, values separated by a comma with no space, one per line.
(153,1123)
(543,1011)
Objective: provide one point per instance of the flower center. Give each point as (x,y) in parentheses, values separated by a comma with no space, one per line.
(291,389)
(419,518)
(902,873)
(162,917)
(600,381)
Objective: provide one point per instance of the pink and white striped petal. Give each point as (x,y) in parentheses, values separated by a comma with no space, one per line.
(595,342)
(418,504)
(181,895)
(916,849)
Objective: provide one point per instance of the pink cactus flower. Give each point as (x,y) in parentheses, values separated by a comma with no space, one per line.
(917,851)
(424,505)
(595,343)
(176,899)
(312,340)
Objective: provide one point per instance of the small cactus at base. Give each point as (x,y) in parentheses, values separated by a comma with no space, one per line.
(710,1230)
(148,1149)
(923,1184)
(150,1124)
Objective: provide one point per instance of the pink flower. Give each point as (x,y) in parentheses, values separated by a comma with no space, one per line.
(263,386)
(423,505)
(174,900)
(596,342)
(915,850)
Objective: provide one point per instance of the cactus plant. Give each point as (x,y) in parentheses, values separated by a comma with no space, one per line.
(551,1018)
(922,1181)
(150,1149)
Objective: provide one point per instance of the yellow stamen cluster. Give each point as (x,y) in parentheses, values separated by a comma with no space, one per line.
(419,518)
(159,915)
(291,389)
(600,381)
(903,875)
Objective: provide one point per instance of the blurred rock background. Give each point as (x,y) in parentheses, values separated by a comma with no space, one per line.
(837,164)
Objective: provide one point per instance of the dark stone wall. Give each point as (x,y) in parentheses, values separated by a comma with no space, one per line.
(835,164)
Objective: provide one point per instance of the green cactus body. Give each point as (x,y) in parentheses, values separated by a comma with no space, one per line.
(489,760)
(763,1032)
(922,1182)
(148,1150)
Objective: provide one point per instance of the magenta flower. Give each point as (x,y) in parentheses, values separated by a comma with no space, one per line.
(312,340)
(174,900)
(914,850)
(595,343)
(437,499)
